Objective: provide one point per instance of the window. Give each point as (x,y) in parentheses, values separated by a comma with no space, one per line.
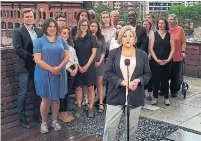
(44,15)
(65,14)
(8,14)
(75,15)
(17,25)
(18,14)
(15,14)
(10,25)
(11,14)
(34,15)
(1,13)
(51,14)
(39,14)
(3,25)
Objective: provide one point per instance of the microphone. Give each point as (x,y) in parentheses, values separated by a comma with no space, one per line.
(127,62)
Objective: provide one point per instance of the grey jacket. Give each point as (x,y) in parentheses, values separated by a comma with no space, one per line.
(116,94)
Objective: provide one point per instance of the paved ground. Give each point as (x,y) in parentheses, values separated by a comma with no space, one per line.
(179,122)
(182,112)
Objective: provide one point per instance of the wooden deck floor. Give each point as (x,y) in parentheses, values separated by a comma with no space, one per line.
(66,134)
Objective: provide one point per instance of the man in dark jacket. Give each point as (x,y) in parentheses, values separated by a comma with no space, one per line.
(23,38)
(140,31)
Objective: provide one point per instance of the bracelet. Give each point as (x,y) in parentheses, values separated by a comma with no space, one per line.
(183,52)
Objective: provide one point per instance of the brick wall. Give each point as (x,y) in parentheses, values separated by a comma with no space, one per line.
(9,91)
(193,60)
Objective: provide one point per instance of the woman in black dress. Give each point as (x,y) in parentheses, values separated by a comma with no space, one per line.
(99,60)
(162,50)
(86,47)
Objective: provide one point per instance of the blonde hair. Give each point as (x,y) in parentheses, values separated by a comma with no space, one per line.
(123,31)
(174,16)
(101,22)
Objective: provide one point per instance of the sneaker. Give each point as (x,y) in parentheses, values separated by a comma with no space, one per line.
(90,113)
(44,128)
(56,125)
(167,102)
(78,112)
(154,101)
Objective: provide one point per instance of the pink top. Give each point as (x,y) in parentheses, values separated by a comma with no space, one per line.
(179,37)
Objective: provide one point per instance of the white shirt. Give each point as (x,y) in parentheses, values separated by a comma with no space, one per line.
(114,44)
(73,58)
(108,33)
(131,69)
(32,34)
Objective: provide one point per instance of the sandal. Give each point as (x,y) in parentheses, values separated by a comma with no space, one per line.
(101,110)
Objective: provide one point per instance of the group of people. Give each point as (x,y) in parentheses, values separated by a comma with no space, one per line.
(56,59)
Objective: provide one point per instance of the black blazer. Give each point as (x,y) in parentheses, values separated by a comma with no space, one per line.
(141,38)
(23,47)
(116,94)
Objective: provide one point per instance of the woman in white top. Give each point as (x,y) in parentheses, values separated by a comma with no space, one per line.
(107,29)
(116,75)
(147,25)
(72,68)
(113,43)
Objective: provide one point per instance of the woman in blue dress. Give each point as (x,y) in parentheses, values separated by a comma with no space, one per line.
(50,55)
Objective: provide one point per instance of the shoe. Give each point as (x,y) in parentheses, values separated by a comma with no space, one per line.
(24,124)
(65,118)
(56,125)
(174,94)
(149,98)
(78,112)
(161,93)
(154,101)
(167,102)
(44,128)
(37,118)
(101,110)
(91,113)
(86,107)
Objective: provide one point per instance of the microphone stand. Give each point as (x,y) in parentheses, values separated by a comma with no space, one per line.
(128,108)
(127,63)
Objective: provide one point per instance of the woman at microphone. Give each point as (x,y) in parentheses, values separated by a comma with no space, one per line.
(117,77)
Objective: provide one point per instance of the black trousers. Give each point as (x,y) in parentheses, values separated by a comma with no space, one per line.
(175,77)
(64,101)
(149,86)
(160,74)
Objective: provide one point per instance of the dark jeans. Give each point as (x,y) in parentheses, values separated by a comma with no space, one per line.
(160,74)
(175,76)
(24,82)
(64,101)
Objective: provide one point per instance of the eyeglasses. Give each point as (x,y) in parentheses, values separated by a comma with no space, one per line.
(84,25)
(61,20)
